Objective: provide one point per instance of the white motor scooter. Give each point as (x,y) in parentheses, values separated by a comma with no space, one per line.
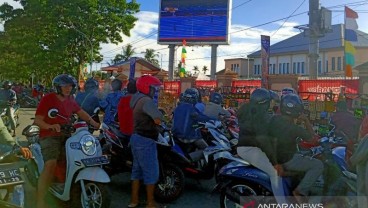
(85,180)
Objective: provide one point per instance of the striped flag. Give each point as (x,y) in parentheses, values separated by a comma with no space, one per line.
(350,36)
(183,57)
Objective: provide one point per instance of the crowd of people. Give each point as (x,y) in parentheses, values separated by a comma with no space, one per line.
(269,125)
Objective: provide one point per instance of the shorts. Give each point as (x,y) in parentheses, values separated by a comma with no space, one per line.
(53,148)
(145,161)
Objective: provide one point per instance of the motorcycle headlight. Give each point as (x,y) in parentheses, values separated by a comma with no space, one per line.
(88,144)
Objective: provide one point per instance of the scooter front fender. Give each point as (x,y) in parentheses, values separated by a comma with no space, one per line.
(93,174)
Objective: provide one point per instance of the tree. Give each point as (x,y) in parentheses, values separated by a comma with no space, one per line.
(150,56)
(204,69)
(52,37)
(128,52)
(195,69)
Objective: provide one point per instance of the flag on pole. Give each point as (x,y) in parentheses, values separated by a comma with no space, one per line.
(183,57)
(350,36)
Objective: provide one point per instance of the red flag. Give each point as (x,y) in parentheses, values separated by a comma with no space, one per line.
(184,43)
(350,13)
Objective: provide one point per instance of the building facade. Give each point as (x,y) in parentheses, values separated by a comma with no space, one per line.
(290,56)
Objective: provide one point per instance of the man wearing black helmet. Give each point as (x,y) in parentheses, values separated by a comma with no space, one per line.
(8,100)
(110,103)
(254,143)
(285,131)
(52,141)
(213,108)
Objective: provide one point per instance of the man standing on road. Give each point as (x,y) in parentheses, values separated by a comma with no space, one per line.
(8,100)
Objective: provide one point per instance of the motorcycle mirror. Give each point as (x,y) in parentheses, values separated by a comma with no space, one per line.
(52,113)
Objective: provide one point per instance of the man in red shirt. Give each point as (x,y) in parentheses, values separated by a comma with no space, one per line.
(52,140)
(125,112)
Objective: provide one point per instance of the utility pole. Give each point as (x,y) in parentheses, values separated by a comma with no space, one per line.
(314,34)
(171,61)
(213,61)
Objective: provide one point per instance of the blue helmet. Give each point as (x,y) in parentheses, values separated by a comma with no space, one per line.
(216,98)
(190,96)
(91,84)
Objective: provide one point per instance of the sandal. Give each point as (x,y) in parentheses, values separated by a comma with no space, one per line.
(133,205)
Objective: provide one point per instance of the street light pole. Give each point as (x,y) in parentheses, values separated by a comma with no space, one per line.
(86,37)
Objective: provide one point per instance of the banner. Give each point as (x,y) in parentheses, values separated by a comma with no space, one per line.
(132,60)
(183,57)
(265,55)
(350,36)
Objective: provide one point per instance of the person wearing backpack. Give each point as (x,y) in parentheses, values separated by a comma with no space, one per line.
(110,104)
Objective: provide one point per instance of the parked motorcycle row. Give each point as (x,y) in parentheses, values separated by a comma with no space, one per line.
(91,160)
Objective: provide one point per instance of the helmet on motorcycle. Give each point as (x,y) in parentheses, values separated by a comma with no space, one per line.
(64,80)
(291,105)
(91,84)
(7,84)
(216,98)
(147,85)
(116,85)
(287,90)
(191,96)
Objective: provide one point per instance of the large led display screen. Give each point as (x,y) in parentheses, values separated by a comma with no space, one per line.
(196,21)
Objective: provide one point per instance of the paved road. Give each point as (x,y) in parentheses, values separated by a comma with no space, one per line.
(196,193)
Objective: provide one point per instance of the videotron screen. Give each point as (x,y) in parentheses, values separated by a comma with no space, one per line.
(196,21)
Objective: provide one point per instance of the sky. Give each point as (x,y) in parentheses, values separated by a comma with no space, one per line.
(249,20)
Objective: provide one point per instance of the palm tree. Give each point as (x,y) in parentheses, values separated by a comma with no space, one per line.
(118,58)
(204,69)
(128,52)
(195,69)
(150,56)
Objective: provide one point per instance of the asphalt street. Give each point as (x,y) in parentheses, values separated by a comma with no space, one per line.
(196,193)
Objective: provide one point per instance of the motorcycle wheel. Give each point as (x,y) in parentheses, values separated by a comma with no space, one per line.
(170,185)
(98,195)
(31,171)
(242,189)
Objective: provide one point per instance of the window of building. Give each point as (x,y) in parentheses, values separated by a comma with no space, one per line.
(280,70)
(339,64)
(287,68)
(319,67)
(270,69)
(294,68)
(333,67)
(326,65)
(273,68)
(302,69)
(298,68)
(283,68)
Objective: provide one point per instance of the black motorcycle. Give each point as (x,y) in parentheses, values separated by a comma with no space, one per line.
(116,146)
(12,194)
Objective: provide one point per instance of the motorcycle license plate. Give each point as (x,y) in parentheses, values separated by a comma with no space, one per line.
(10,176)
(95,161)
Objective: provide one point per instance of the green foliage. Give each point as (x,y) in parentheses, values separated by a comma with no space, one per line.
(47,38)
(150,56)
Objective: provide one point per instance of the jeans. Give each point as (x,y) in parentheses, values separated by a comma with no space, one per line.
(313,168)
(145,161)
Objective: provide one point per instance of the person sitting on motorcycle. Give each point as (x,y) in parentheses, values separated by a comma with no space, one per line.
(8,100)
(110,103)
(88,100)
(200,105)
(186,117)
(146,117)
(254,144)
(213,108)
(346,124)
(52,140)
(7,142)
(285,132)
(125,112)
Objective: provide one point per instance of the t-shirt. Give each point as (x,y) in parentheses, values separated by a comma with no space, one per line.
(66,109)
(364,127)
(125,115)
